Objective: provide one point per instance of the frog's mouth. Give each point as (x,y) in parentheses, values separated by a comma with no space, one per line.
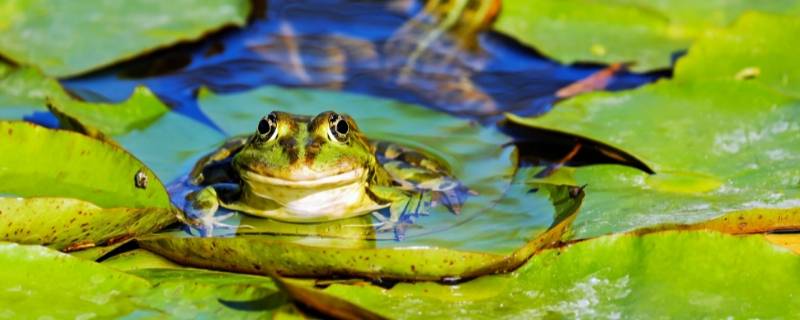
(306,180)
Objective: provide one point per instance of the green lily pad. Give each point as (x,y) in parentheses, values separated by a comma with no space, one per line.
(24,90)
(138,124)
(96,253)
(95,191)
(32,31)
(138,259)
(192,294)
(37,282)
(264,255)
(661,275)
(758,47)
(139,111)
(720,149)
(646,33)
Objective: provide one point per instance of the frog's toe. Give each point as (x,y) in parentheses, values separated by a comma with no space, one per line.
(205,224)
(387,225)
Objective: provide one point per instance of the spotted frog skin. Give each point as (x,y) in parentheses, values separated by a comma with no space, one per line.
(306,169)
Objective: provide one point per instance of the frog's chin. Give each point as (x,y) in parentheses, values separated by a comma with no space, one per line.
(309,182)
(326,198)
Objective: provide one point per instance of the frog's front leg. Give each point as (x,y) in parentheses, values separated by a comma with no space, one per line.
(200,211)
(402,202)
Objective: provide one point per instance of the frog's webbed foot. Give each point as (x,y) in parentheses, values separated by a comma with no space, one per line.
(388,224)
(200,212)
(449,192)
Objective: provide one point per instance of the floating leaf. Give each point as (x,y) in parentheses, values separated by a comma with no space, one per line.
(95,192)
(96,253)
(720,149)
(661,275)
(192,293)
(758,47)
(138,259)
(24,90)
(645,33)
(139,111)
(263,255)
(42,32)
(37,282)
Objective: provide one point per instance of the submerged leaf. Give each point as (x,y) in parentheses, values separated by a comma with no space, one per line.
(95,192)
(43,32)
(303,258)
(661,275)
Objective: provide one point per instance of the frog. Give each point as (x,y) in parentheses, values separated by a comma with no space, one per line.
(314,169)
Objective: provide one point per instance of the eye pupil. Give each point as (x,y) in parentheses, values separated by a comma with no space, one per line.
(263,126)
(267,126)
(342,127)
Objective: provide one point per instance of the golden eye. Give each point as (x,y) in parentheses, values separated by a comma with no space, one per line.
(338,127)
(268,127)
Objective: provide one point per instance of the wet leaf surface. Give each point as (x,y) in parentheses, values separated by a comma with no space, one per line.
(724,151)
(644,33)
(731,154)
(669,274)
(138,259)
(122,31)
(303,258)
(92,194)
(757,48)
(39,282)
(25,90)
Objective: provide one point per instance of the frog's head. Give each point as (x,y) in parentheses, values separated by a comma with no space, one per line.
(306,152)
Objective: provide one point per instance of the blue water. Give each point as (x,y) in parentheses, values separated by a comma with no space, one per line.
(338,44)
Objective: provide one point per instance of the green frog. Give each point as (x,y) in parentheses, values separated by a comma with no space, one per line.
(306,169)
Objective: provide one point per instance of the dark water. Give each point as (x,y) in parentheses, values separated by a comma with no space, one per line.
(341,45)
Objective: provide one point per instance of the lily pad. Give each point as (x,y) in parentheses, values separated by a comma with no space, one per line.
(661,275)
(139,124)
(37,282)
(720,149)
(138,259)
(646,33)
(263,255)
(35,32)
(192,293)
(95,191)
(758,48)
(25,90)
(139,111)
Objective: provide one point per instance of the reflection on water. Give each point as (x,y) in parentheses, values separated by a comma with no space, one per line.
(439,55)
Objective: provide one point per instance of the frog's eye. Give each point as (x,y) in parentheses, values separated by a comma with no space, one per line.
(338,127)
(268,126)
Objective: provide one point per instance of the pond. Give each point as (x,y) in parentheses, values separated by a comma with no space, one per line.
(487,153)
